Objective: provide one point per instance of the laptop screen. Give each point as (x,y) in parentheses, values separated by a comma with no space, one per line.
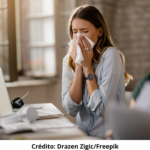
(5,104)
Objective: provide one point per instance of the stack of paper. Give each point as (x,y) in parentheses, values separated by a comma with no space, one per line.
(46,110)
(37,125)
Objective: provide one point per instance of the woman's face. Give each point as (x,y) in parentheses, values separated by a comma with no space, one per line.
(87,28)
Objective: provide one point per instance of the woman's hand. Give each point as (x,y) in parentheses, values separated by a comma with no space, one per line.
(73,52)
(87,54)
(109,135)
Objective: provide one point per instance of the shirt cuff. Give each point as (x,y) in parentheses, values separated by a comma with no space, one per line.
(95,100)
(70,105)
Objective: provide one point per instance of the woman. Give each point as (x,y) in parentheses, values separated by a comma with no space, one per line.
(103,67)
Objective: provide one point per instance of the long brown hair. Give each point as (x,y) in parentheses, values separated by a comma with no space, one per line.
(93,15)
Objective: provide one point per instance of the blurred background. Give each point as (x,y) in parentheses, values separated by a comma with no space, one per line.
(33,42)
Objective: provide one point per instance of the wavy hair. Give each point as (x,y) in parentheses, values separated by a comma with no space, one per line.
(93,15)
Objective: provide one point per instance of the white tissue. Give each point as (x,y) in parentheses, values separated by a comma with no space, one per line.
(79,57)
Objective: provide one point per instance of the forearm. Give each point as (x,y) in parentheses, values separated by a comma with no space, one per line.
(76,87)
(91,84)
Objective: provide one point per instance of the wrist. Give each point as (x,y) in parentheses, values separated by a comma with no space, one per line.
(88,70)
(78,67)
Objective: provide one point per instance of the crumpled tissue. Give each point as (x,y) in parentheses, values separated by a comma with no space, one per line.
(79,57)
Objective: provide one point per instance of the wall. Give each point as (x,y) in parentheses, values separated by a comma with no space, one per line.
(129,25)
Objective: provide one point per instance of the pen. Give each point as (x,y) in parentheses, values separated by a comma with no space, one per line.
(23,96)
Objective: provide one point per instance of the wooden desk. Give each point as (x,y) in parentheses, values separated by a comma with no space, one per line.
(59,128)
(71,133)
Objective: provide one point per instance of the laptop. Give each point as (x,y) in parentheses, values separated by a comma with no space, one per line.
(128,123)
(5,104)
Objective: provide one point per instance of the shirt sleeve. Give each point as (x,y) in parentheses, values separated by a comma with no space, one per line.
(69,105)
(112,69)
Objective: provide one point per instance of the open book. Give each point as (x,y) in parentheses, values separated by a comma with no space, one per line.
(46,110)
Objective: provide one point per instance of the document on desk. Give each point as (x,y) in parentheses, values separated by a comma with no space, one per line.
(46,110)
(38,125)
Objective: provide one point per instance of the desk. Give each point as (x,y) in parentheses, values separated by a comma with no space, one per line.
(62,134)
(71,133)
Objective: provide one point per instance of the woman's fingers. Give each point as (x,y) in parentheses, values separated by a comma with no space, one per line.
(73,51)
(82,49)
(86,43)
(83,43)
(80,41)
(73,55)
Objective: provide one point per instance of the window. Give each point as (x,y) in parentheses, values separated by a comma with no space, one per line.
(66,7)
(38,44)
(33,37)
(8,40)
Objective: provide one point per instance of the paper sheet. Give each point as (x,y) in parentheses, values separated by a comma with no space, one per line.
(46,110)
(38,125)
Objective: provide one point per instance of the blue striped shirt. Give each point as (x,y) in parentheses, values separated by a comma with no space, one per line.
(110,80)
